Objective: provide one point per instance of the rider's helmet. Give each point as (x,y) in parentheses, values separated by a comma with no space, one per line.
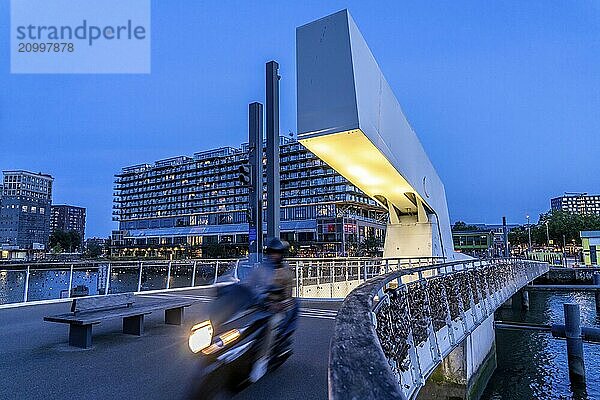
(276,245)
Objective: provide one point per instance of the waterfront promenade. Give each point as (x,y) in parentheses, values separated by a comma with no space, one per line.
(37,363)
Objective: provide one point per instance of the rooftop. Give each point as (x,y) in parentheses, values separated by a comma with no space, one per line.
(200,155)
(67,205)
(21,171)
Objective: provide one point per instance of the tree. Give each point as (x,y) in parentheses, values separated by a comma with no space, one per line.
(61,241)
(93,250)
(461,226)
(561,226)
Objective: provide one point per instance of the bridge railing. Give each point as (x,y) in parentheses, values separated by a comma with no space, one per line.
(313,277)
(392,332)
(28,282)
(336,277)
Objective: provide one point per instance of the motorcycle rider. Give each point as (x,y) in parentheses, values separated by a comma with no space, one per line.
(273,281)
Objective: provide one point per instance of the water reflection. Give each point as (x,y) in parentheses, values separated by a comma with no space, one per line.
(53,284)
(533,365)
(12,285)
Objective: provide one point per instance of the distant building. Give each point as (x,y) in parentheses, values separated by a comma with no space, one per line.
(195,206)
(68,218)
(25,210)
(474,243)
(102,242)
(590,241)
(577,203)
(485,241)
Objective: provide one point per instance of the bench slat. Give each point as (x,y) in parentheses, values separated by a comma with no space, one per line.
(102,302)
(97,316)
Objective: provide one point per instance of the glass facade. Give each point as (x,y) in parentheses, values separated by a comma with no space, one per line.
(188,205)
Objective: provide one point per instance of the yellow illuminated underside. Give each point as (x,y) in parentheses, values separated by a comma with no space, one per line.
(353,155)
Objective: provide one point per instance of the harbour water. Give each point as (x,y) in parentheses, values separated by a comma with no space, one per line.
(53,283)
(533,365)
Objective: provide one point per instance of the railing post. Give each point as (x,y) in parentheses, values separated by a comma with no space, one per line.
(346,270)
(297,279)
(140,265)
(332,273)
(26,285)
(235,272)
(70,280)
(216,272)
(193,275)
(169,275)
(317,272)
(108,271)
(365,270)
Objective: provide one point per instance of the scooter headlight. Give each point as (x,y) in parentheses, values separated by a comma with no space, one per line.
(201,336)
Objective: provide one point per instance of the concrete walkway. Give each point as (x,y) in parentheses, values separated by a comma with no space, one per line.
(37,363)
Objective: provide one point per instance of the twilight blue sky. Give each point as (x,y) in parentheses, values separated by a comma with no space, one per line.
(505,96)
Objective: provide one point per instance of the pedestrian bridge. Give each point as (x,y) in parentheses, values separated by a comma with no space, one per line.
(392,332)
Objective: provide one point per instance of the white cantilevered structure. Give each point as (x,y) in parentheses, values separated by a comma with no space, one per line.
(349,117)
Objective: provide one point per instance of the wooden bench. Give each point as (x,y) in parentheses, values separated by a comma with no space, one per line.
(87,311)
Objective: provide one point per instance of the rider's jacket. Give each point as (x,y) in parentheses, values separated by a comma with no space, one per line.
(273,282)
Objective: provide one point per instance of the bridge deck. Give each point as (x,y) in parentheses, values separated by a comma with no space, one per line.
(37,363)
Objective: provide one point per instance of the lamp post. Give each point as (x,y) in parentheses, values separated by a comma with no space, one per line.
(564,251)
(529,235)
(547,235)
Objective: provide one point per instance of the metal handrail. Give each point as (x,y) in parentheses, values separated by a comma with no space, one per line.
(311,273)
(108,268)
(11,265)
(24,265)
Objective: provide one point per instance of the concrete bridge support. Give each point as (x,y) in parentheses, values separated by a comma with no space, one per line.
(465,372)
(519,300)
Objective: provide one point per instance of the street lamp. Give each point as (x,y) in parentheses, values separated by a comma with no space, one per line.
(547,235)
(529,234)
(564,251)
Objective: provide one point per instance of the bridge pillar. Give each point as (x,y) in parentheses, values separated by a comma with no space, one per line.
(519,300)
(415,235)
(464,373)
(411,239)
(524,299)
